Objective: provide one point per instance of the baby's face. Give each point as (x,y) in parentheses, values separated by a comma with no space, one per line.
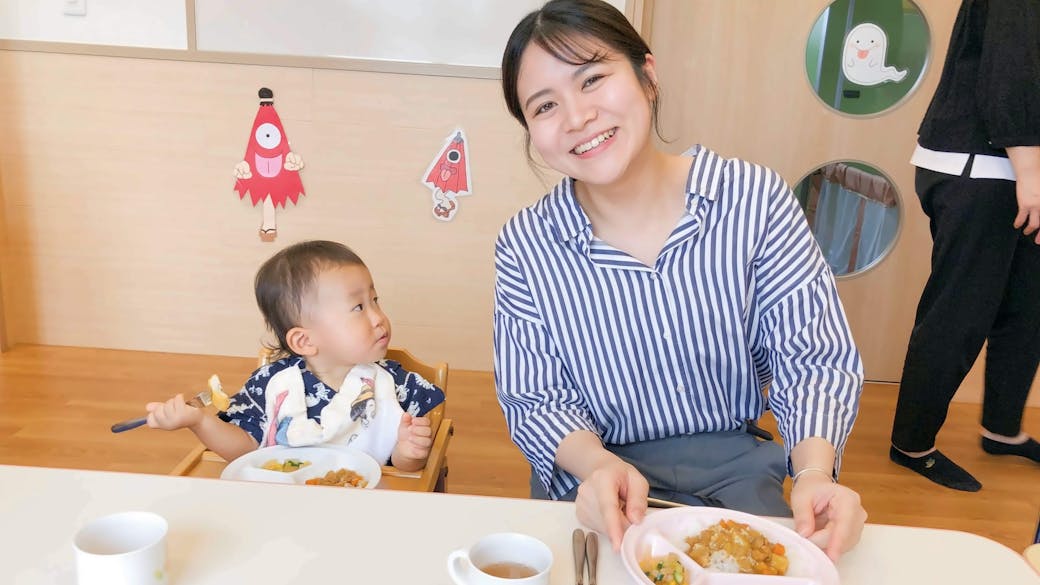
(343,315)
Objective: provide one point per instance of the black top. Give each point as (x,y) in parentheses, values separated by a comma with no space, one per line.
(989,94)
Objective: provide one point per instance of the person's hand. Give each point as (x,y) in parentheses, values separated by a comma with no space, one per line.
(1027,188)
(173,414)
(242,170)
(293,162)
(414,437)
(612,498)
(828,514)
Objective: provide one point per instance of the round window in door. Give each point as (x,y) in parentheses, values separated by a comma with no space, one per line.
(853,210)
(864,57)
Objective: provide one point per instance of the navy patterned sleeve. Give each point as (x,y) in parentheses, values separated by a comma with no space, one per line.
(247,405)
(417,395)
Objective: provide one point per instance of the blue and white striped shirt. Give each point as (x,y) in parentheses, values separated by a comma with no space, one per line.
(587,337)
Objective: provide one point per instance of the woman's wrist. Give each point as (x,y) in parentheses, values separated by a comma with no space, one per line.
(814,453)
(581,453)
(812,470)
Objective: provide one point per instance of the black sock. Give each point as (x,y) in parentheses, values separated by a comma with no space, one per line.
(938,468)
(1030,449)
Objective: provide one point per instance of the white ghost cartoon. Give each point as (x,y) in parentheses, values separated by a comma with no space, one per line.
(863,60)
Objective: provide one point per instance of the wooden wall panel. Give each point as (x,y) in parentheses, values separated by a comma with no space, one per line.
(123,229)
(733,78)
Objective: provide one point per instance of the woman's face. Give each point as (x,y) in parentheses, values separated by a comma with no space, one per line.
(586,121)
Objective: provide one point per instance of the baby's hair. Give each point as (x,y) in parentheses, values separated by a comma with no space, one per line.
(285,278)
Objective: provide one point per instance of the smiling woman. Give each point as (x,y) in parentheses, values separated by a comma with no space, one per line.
(644,303)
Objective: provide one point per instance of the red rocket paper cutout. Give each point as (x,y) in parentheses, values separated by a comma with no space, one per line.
(270,172)
(448,176)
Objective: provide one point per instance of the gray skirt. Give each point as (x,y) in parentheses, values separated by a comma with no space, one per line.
(728,469)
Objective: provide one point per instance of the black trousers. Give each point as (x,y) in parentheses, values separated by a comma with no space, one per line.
(984,286)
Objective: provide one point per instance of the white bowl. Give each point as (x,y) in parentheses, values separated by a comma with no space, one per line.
(322,459)
(665,531)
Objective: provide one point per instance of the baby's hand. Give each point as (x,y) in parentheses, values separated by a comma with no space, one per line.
(173,414)
(414,437)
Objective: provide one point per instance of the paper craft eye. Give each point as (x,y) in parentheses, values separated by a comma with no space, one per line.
(268,136)
(454,156)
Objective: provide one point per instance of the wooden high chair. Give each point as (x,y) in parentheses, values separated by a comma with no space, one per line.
(201,462)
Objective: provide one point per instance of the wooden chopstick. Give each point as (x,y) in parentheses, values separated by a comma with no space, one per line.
(659,503)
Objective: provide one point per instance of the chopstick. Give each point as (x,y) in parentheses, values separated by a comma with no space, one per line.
(659,503)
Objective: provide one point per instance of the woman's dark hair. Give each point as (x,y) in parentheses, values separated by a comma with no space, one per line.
(285,278)
(572,31)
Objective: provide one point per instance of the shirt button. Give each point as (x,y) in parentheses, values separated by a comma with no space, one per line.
(667,336)
(680,388)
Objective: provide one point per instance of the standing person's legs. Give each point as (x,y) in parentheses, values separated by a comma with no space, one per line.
(1012,356)
(973,247)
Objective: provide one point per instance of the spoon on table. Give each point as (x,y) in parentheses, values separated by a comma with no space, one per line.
(578,542)
(592,554)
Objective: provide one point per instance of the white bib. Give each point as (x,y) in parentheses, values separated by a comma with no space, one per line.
(364,413)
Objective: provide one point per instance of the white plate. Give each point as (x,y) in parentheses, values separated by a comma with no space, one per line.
(665,531)
(323,459)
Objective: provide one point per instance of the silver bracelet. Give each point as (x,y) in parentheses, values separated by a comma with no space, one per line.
(794,478)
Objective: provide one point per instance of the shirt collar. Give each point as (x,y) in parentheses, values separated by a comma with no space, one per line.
(706,173)
(562,210)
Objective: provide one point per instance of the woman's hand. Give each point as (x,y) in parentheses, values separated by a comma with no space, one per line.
(828,514)
(612,498)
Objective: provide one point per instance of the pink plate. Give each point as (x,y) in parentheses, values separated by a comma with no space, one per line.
(665,531)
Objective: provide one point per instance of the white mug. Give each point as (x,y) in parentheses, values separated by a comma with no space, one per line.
(128,548)
(501,554)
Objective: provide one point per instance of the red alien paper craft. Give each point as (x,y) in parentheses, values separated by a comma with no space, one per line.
(448,176)
(270,172)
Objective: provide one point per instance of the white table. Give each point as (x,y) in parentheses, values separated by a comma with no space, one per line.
(225,532)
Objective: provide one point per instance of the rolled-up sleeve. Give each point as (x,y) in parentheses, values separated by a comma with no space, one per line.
(1008,86)
(538,397)
(817,371)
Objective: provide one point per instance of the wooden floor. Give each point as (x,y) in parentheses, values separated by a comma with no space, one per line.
(57,404)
